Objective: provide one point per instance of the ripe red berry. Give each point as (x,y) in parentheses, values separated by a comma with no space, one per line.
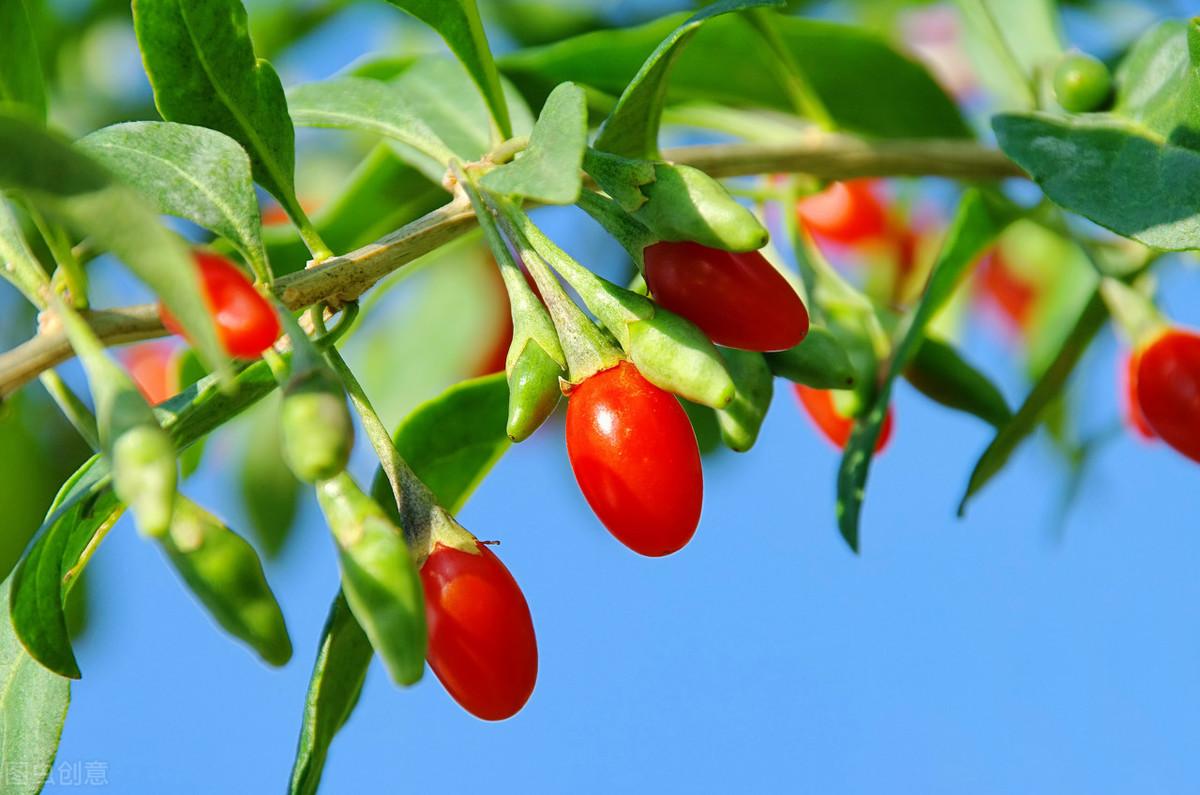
(245,321)
(738,300)
(149,364)
(481,641)
(1167,386)
(845,212)
(635,458)
(822,410)
(1012,297)
(1127,375)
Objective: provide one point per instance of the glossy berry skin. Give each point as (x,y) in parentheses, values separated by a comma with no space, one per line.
(246,323)
(481,641)
(1082,83)
(846,212)
(1167,386)
(821,409)
(635,458)
(738,300)
(1133,414)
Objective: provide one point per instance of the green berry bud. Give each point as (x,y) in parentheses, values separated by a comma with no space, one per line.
(676,356)
(685,204)
(754,384)
(1082,83)
(533,390)
(318,433)
(145,475)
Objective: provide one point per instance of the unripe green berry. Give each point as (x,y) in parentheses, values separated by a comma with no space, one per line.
(1082,83)
(318,433)
(145,475)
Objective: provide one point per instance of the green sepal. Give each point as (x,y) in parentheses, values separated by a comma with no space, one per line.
(631,233)
(754,384)
(819,361)
(533,390)
(622,178)
(226,575)
(676,356)
(379,579)
(685,204)
(941,373)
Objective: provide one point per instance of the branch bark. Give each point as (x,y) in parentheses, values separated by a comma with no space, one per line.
(346,277)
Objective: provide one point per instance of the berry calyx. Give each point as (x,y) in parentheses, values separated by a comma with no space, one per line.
(481,641)
(634,455)
(246,323)
(821,408)
(1166,384)
(845,212)
(738,300)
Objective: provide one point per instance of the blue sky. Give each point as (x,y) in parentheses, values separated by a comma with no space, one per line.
(1007,652)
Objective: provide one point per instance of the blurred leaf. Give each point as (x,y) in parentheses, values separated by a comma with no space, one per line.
(225,574)
(1158,83)
(202,66)
(33,703)
(270,492)
(41,582)
(741,420)
(62,181)
(19,265)
(940,372)
(358,103)
(548,171)
(819,361)
(1112,171)
(343,658)
(450,442)
(532,22)
(867,86)
(188,369)
(190,172)
(976,224)
(458,23)
(631,129)
(1011,42)
(20,66)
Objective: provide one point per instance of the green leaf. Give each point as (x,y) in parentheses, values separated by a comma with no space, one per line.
(17,262)
(21,80)
(203,70)
(867,86)
(63,182)
(42,580)
(450,442)
(33,708)
(1048,387)
(1115,172)
(549,170)
(190,172)
(225,574)
(631,129)
(270,492)
(1158,83)
(357,103)
(458,22)
(819,361)
(978,221)
(940,372)
(1011,43)
(343,658)
(453,441)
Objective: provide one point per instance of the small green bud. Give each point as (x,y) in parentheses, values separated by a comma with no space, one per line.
(819,361)
(1082,83)
(318,432)
(380,581)
(145,476)
(742,419)
(226,575)
(685,204)
(533,390)
(676,356)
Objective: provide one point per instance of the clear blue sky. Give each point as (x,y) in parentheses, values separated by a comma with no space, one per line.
(1003,653)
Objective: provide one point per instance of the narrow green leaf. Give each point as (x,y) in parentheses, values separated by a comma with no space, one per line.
(21,80)
(17,263)
(451,442)
(1011,43)
(549,170)
(941,373)
(63,182)
(190,172)
(819,361)
(631,129)
(458,22)
(270,492)
(358,103)
(978,221)
(343,658)
(203,70)
(1115,172)
(33,708)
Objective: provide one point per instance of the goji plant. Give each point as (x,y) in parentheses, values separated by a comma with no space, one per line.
(794,241)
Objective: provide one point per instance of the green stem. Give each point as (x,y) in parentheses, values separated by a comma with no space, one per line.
(73,408)
(69,268)
(308,233)
(804,98)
